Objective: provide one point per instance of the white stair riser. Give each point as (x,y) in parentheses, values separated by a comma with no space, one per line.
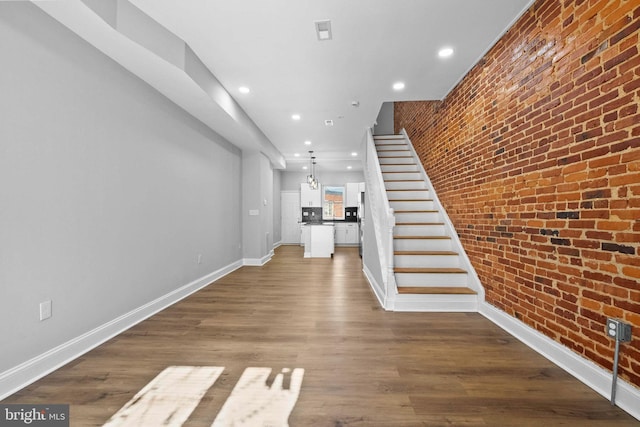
(431,279)
(427,261)
(387,144)
(393,147)
(411,195)
(405,185)
(436,303)
(394,154)
(401,176)
(407,205)
(404,160)
(398,168)
(422,244)
(389,137)
(419,230)
(417,217)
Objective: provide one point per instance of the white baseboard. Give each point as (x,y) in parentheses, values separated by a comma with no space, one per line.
(30,371)
(377,289)
(257,262)
(627,396)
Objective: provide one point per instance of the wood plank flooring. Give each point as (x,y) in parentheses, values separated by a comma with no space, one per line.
(363,366)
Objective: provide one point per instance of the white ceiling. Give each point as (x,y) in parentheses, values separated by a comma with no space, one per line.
(271,47)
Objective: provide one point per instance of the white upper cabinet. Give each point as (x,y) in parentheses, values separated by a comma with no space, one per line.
(310,198)
(353,194)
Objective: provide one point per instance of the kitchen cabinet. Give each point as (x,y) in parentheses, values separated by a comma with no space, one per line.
(304,236)
(347,234)
(341,236)
(351,235)
(318,240)
(310,198)
(353,194)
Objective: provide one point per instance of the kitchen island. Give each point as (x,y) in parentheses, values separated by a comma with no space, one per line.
(318,239)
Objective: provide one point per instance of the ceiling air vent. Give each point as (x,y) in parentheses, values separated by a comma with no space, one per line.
(328,122)
(323,30)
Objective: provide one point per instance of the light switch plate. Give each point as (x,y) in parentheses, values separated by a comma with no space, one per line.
(45,310)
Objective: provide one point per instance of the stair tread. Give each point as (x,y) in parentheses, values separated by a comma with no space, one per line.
(429,270)
(423,237)
(411,200)
(416,211)
(425,253)
(435,290)
(408,189)
(405,180)
(396,164)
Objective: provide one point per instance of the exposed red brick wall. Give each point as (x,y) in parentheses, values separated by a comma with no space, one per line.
(536,158)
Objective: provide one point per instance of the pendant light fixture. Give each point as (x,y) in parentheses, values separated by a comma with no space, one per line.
(311,178)
(314,182)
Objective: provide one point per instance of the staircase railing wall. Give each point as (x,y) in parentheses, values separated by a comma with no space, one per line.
(383,221)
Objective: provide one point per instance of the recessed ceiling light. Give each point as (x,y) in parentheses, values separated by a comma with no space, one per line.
(348,167)
(304,168)
(296,155)
(328,122)
(295,116)
(398,86)
(244,90)
(307,142)
(354,154)
(445,52)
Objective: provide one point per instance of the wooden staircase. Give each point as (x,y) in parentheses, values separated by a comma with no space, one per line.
(424,260)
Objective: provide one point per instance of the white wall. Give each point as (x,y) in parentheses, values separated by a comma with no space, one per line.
(370,250)
(257,196)
(108,191)
(276,206)
(384,122)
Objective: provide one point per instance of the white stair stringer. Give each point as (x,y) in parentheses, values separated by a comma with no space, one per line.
(432,272)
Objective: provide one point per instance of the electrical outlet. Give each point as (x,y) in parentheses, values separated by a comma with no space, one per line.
(618,330)
(45,310)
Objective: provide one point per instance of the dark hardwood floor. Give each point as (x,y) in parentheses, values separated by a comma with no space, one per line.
(363,366)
